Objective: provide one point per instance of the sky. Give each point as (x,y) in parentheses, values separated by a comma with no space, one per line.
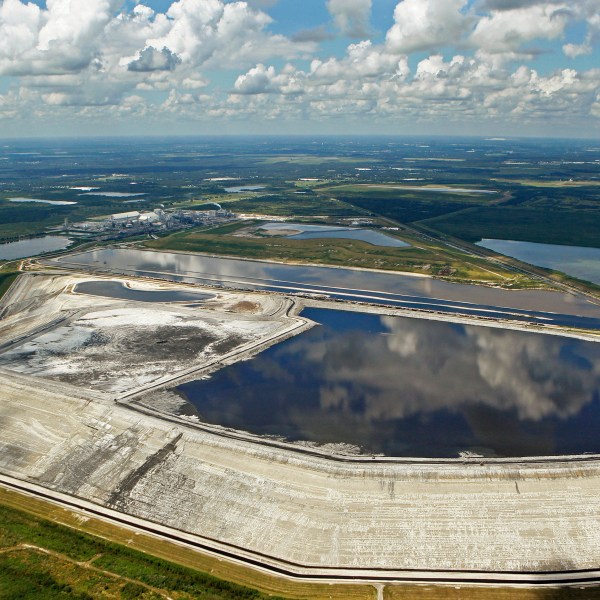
(408,67)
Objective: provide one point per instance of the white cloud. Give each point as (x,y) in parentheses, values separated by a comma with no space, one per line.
(362,60)
(150,59)
(60,38)
(351,17)
(592,18)
(71,36)
(258,80)
(427,24)
(575,50)
(508,30)
(19,28)
(477,63)
(70,23)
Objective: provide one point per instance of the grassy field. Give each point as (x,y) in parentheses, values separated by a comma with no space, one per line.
(430,259)
(6,280)
(47,552)
(39,558)
(405,206)
(297,205)
(545,211)
(549,183)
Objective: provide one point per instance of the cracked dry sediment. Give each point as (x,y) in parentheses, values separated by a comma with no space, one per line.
(296,506)
(122,346)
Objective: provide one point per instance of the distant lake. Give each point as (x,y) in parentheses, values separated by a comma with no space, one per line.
(33,247)
(583,263)
(113,194)
(412,387)
(40,201)
(244,188)
(439,189)
(301,231)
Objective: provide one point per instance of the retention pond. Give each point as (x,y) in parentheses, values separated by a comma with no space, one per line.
(118,290)
(411,387)
(300,231)
(386,289)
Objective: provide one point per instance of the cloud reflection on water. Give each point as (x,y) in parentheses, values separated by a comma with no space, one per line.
(500,382)
(418,366)
(414,387)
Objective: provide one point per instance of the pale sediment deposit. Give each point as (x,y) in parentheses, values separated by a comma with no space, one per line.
(301,511)
(121,346)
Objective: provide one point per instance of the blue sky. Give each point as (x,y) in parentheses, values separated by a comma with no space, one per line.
(478,67)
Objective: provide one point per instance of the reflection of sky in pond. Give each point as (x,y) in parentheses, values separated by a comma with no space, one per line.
(198,268)
(33,246)
(315,232)
(576,261)
(412,387)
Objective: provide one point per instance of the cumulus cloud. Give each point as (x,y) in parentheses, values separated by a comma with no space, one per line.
(508,30)
(351,17)
(60,38)
(362,61)
(151,59)
(69,36)
(475,61)
(427,25)
(258,80)
(97,54)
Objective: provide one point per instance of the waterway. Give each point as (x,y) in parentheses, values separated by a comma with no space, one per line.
(33,247)
(386,289)
(580,262)
(412,387)
(300,231)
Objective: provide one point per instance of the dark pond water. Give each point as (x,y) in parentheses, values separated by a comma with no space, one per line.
(117,289)
(387,289)
(33,247)
(411,387)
